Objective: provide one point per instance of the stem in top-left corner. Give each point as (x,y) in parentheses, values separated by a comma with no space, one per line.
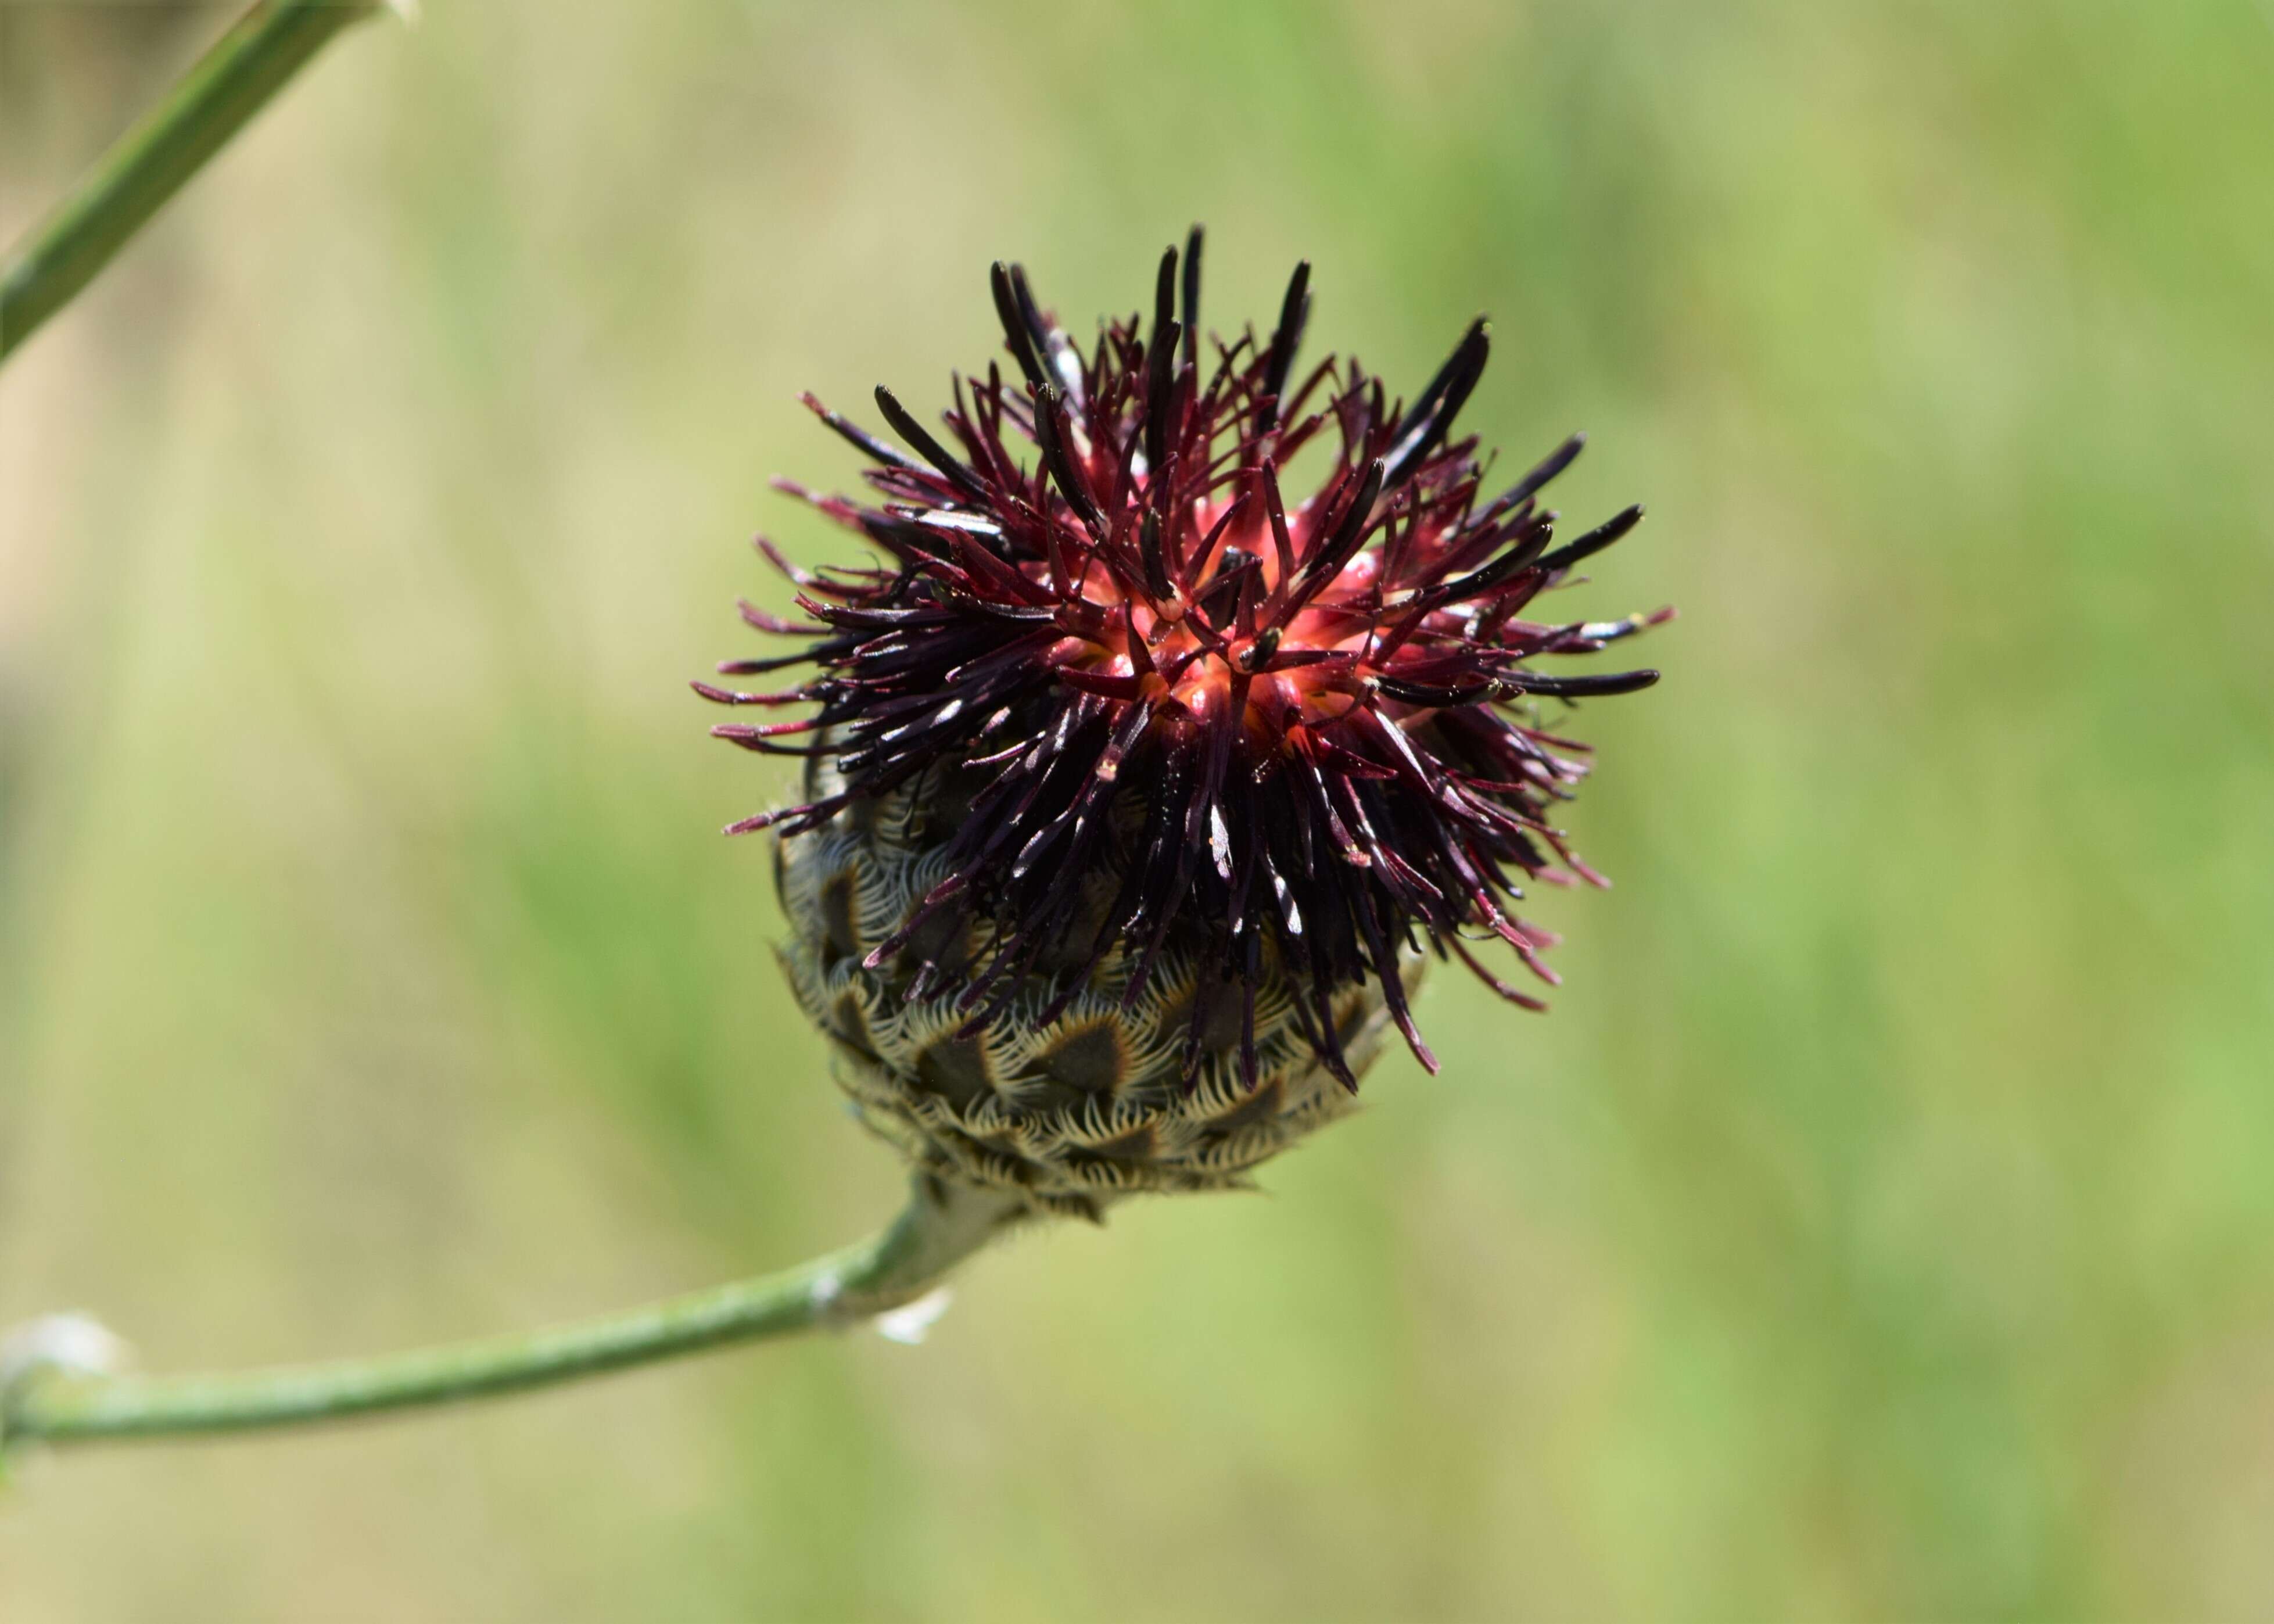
(219,95)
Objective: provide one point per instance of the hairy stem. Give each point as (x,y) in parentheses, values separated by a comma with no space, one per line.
(940,1227)
(149,164)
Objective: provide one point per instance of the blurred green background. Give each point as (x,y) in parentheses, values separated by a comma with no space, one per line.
(1882,1225)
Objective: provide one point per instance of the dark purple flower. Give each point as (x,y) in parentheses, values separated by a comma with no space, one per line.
(1295,735)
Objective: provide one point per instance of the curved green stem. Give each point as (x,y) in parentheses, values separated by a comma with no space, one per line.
(149,164)
(939,1227)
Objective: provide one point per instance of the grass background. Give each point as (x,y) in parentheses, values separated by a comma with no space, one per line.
(1882,1226)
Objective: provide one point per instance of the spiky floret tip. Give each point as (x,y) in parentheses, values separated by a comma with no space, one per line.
(1303,734)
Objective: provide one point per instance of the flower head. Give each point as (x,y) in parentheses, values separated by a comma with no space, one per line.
(1152,699)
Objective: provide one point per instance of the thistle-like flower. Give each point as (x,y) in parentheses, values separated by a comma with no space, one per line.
(1137,794)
